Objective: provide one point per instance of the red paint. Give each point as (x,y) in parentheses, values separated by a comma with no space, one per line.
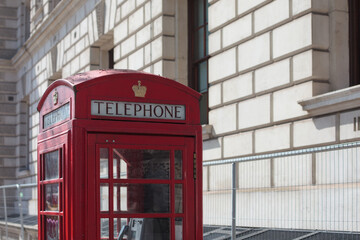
(78,140)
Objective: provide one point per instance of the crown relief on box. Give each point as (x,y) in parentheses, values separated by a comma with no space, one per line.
(139,90)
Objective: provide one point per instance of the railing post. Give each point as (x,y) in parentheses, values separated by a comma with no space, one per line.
(5,212)
(233,205)
(21,213)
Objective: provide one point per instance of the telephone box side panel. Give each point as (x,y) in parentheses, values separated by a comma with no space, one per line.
(198,183)
(77,194)
(56,107)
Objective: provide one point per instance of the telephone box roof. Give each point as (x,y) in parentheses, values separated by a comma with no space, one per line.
(84,80)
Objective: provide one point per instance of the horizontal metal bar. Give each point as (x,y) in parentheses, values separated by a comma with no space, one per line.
(282,154)
(26,185)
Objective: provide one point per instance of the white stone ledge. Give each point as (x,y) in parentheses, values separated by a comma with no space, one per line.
(206,131)
(336,101)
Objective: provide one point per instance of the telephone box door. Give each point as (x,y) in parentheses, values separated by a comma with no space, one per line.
(143,187)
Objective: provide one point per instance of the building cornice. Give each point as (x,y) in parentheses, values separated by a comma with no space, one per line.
(331,102)
(49,27)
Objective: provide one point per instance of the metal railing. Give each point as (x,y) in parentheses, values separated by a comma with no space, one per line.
(314,190)
(311,191)
(16,213)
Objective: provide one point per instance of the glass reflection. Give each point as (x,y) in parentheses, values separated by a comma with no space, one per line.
(52,197)
(141,163)
(178,198)
(178,229)
(178,164)
(52,165)
(104,197)
(148,229)
(104,228)
(142,198)
(52,228)
(104,163)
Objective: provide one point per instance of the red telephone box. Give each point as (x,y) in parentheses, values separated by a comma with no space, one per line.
(120,157)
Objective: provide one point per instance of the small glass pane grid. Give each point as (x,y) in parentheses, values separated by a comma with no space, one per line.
(51,187)
(141,182)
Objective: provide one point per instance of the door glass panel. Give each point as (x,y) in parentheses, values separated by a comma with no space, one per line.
(104,197)
(143,198)
(52,165)
(52,197)
(118,224)
(149,229)
(178,164)
(120,198)
(178,229)
(104,163)
(178,198)
(52,231)
(104,228)
(142,163)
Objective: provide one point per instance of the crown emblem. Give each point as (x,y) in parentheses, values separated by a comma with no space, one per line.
(139,90)
(55,97)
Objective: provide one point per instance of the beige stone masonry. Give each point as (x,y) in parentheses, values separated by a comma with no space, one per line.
(237,87)
(272,76)
(221,12)
(212,149)
(311,65)
(247,5)
(299,6)
(314,131)
(254,174)
(350,125)
(222,65)
(223,119)
(307,31)
(254,112)
(237,31)
(293,171)
(254,52)
(271,14)
(220,181)
(238,144)
(272,138)
(215,93)
(285,101)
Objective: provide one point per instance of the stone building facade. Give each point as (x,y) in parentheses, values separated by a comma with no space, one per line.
(278,77)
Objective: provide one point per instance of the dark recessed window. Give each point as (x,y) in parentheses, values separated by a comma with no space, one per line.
(198,52)
(111,58)
(354,45)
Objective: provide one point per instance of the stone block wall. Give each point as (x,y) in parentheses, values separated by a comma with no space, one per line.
(277,53)
(266,57)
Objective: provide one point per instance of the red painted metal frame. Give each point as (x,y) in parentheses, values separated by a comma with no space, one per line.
(77,135)
(185,144)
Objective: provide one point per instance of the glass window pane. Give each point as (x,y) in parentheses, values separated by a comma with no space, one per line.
(104,228)
(178,198)
(199,43)
(178,229)
(104,197)
(199,13)
(178,164)
(52,197)
(143,163)
(52,165)
(118,223)
(52,230)
(120,198)
(142,198)
(203,78)
(104,163)
(119,166)
(149,228)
